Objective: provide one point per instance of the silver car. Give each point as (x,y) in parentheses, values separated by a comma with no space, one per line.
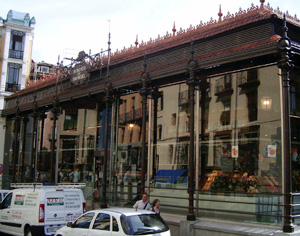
(116,221)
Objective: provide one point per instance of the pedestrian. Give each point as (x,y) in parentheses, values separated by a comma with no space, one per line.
(142,204)
(155,206)
(76,175)
(128,183)
(27,175)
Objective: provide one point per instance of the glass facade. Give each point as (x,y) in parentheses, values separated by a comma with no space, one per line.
(238,159)
(240,146)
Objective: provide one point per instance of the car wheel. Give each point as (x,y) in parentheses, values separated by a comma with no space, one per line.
(28,231)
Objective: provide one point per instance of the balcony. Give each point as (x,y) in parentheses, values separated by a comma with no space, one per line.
(245,83)
(248,80)
(223,89)
(15,54)
(12,87)
(130,116)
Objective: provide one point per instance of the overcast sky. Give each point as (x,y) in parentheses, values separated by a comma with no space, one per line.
(66,26)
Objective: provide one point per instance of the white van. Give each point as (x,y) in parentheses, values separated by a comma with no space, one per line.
(39,211)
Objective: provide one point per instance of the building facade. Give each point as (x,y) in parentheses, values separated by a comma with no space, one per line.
(205,119)
(16,40)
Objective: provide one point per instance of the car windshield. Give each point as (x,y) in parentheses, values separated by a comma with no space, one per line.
(143,224)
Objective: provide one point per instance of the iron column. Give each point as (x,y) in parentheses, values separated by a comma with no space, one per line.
(16,127)
(191,82)
(144,91)
(108,101)
(285,64)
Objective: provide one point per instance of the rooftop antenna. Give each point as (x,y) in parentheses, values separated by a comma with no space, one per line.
(57,70)
(108,52)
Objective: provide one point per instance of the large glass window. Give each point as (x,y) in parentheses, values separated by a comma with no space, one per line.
(295,131)
(16,46)
(13,77)
(77,137)
(240,153)
(126,164)
(169,154)
(70,122)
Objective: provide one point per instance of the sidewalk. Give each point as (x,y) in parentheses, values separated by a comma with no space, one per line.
(179,226)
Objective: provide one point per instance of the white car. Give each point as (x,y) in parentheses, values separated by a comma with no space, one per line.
(116,221)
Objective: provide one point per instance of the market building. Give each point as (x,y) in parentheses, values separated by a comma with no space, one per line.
(205,119)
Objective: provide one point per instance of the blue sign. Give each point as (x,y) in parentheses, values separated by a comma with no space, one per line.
(169,176)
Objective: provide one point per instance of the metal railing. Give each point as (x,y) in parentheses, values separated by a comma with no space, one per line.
(130,116)
(15,54)
(266,207)
(89,194)
(12,87)
(41,185)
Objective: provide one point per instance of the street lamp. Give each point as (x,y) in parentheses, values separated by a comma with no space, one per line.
(266,103)
(130,127)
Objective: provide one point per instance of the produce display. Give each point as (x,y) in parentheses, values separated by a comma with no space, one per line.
(238,182)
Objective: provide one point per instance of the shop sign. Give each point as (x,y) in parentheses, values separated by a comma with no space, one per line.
(79,73)
(235,151)
(271,150)
(19,200)
(55,201)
